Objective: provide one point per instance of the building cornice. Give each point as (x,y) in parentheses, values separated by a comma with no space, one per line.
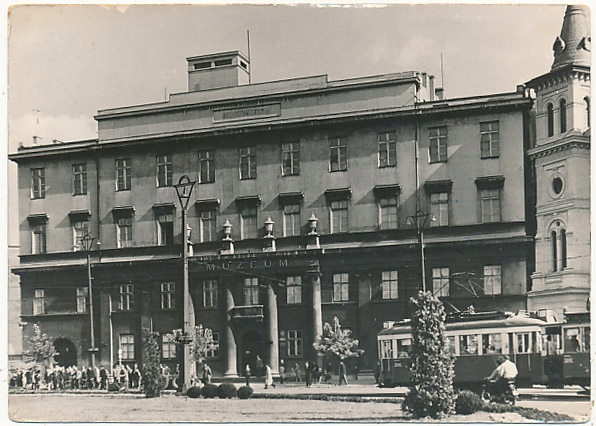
(559,77)
(567,143)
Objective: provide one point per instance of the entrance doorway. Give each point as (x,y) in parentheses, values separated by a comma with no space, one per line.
(67,353)
(253,345)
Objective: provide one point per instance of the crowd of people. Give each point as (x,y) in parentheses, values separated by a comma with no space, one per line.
(59,378)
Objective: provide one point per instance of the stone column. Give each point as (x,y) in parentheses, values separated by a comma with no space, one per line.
(104,343)
(314,280)
(230,343)
(272,330)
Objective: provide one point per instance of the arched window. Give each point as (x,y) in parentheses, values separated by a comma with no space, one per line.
(553,242)
(587,110)
(563,115)
(550,119)
(563,249)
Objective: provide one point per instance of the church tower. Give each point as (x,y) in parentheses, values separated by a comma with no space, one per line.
(561,165)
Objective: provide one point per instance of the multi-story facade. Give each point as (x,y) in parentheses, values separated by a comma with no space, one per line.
(307,206)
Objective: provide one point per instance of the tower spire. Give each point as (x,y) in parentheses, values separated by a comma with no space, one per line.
(573,46)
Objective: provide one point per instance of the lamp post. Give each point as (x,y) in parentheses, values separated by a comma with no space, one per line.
(87,244)
(184,191)
(421,220)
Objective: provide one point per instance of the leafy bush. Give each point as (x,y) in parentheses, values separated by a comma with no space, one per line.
(244,392)
(152,381)
(113,387)
(209,390)
(193,392)
(226,390)
(468,402)
(431,392)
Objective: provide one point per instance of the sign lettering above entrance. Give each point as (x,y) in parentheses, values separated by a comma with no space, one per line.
(272,110)
(252,264)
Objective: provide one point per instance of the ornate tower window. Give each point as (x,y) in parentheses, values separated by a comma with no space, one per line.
(550,119)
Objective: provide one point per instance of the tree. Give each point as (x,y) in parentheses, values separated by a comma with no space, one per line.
(152,380)
(42,349)
(200,341)
(431,390)
(337,342)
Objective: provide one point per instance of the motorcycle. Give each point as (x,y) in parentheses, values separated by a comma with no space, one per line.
(492,391)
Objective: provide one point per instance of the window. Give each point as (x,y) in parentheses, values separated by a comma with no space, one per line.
(441,282)
(82,295)
(389,284)
(550,119)
(168,293)
(293,290)
(386,349)
(127,344)
(291,220)
(210,293)
(126,297)
(251,291)
(79,179)
(38,243)
(38,183)
(587,111)
(248,163)
(206,167)
(492,343)
(554,251)
(338,160)
(468,344)
(563,235)
(563,115)
(207,225)
(572,341)
(168,347)
(213,349)
(387,149)
(450,344)
(39,302)
(124,231)
(489,139)
(526,343)
(341,286)
(164,170)
(165,228)
(492,279)
(404,347)
(80,228)
(290,159)
(439,208)
(490,205)
(295,341)
(388,213)
(248,222)
(339,216)
(123,177)
(437,150)
(558,237)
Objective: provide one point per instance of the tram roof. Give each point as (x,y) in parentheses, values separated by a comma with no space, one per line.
(471,324)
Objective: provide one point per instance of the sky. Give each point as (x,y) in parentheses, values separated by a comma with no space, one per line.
(67,62)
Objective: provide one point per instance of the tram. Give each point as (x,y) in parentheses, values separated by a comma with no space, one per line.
(476,340)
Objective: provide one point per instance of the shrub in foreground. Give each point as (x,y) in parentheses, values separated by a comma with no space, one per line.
(226,390)
(468,402)
(209,390)
(193,392)
(244,392)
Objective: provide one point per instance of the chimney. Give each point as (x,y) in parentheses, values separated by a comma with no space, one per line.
(439,94)
(218,70)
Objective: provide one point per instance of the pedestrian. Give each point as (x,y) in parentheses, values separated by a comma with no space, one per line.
(259,366)
(378,373)
(207,374)
(247,374)
(308,374)
(356,369)
(268,377)
(296,370)
(282,371)
(103,378)
(328,372)
(342,373)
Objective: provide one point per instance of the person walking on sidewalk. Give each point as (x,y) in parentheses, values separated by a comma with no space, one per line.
(268,377)
(342,373)
(282,372)
(247,374)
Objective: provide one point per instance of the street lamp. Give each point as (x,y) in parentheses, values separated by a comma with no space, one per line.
(421,220)
(184,191)
(86,245)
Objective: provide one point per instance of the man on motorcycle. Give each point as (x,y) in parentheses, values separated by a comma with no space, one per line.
(505,373)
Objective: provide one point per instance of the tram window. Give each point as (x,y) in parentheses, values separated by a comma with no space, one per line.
(386,349)
(492,344)
(552,344)
(524,343)
(586,338)
(450,344)
(572,343)
(403,348)
(468,345)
